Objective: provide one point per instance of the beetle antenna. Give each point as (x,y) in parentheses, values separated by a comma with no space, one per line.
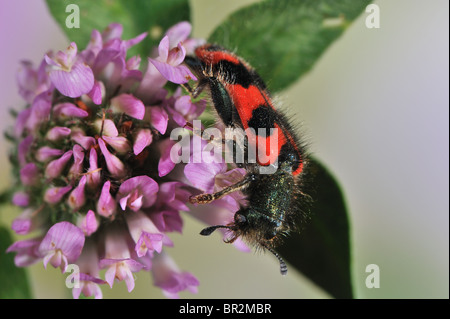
(283,267)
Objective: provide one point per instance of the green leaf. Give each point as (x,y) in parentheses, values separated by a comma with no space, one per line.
(322,250)
(283,39)
(136,16)
(13,280)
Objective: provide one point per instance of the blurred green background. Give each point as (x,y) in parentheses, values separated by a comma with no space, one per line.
(375,110)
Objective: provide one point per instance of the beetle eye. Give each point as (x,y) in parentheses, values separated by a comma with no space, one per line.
(239,218)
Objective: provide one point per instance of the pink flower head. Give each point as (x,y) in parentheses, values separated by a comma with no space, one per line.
(68,73)
(62,245)
(92,152)
(170,279)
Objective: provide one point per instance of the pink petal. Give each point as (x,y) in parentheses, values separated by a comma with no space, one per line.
(202,175)
(166,165)
(77,198)
(39,111)
(21,199)
(23,224)
(112,31)
(23,116)
(151,87)
(170,279)
(178,33)
(93,175)
(89,287)
(57,133)
(183,104)
(163,48)
(78,159)
(89,223)
(106,128)
(168,220)
(65,110)
(129,43)
(176,55)
(29,174)
(55,167)
(106,205)
(115,167)
(45,153)
(128,104)
(119,143)
(23,149)
(142,140)
(159,118)
(78,136)
(96,93)
(74,83)
(27,252)
(54,194)
(177,74)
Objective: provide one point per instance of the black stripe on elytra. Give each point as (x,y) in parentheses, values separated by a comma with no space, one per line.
(235,73)
(263,117)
